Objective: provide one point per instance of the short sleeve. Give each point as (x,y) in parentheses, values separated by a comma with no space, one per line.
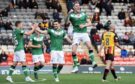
(22,31)
(102,38)
(49,31)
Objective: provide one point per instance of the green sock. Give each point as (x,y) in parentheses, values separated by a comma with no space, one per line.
(25,70)
(75,59)
(91,56)
(11,70)
(36,68)
(55,71)
(59,68)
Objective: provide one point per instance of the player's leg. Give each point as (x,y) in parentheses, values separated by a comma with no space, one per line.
(61,61)
(114,72)
(75,58)
(38,64)
(86,39)
(22,60)
(108,65)
(60,66)
(11,70)
(106,71)
(54,61)
(76,41)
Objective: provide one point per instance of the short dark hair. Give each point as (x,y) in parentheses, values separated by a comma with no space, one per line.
(76,2)
(17,22)
(56,20)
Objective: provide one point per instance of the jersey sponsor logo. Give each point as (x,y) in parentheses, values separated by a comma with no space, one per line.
(77,15)
(57,32)
(38,39)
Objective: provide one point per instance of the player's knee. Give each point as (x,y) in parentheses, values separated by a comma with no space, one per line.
(13,66)
(37,64)
(61,65)
(73,54)
(90,51)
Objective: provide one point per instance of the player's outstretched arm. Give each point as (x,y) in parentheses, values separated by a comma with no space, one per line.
(41,31)
(33,26)
(99,54)
(67,21)
(117,44)
(100,49)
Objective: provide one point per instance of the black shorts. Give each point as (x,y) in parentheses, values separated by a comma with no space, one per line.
(109,57)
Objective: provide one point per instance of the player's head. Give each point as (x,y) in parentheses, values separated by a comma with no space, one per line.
(56,24)
(36,30)
(77,7)
(18,24)
(112,28)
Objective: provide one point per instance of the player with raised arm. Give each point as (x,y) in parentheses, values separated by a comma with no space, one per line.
(57,36)
(19,54)
(109,41)
(80,22)
(36,45)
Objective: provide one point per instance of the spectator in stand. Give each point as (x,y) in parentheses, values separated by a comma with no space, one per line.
(69,4)
(92,33)
(13,3)
(44,15)
(8,25)
(33,4)
(133,9)
(5,11)
(2,24)
(24,4)
(59,8)
(38,14)
(96,37)
(128,21)
(99,4)
(130,53)
(48,3)
(54,4)
(41,14)
(126,38)
(96,16)
(56,15)
(21,4)
(107,5)
(3,56)
(44,25)
(121,14)
(131,37)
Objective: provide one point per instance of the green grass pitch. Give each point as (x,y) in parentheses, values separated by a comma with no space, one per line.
(73,79)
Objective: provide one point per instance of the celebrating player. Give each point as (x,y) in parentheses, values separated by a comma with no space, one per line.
(36,44)
(57,35)
(80,22)
(19,55)
(109,41)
